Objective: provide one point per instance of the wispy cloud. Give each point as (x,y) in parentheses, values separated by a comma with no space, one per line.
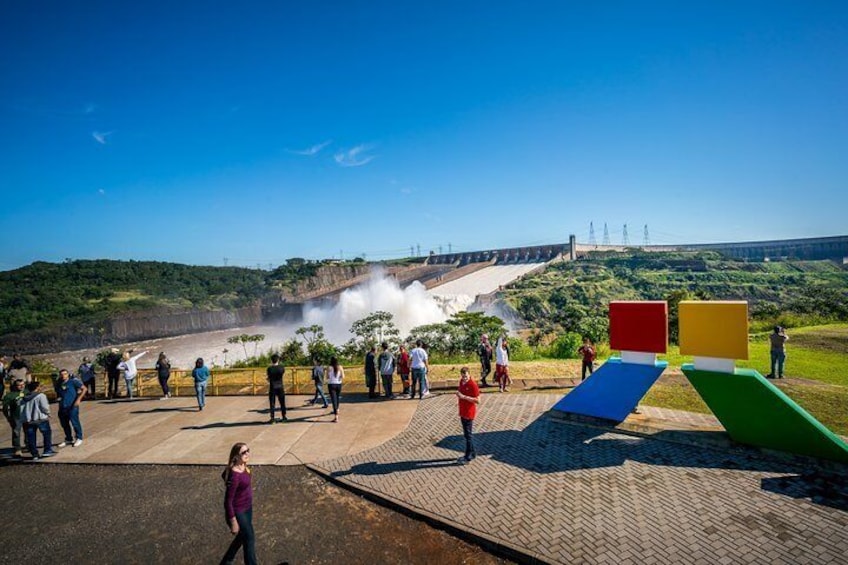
(310,151)
(406,190)
(101,192)
(354,157)
(89,109)
(100,136)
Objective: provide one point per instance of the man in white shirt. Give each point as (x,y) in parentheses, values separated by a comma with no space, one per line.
(419,364)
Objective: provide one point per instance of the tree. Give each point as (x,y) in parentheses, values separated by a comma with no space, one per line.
(469,326)
(316,345)
(375,328)
(674,299)
(244,339)
(256,338)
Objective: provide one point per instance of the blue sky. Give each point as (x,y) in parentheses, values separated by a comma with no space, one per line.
(191,132)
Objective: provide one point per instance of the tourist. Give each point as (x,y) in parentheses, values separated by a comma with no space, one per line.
(3,375)
(201,375)
(318,379)
(35,415)
(12,410)
(371,372)
(163,373)
(19,369)
(425,382)
(469,398)
(587,352)
(778,339)
(419,363)
(502,364)
(403,368)
(113,359)
(70,392)
(238,505)
(276,389)
(386,361)
(484,352)
(87,375)
(129,369)
(335,375)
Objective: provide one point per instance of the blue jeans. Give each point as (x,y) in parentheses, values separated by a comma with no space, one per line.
(200,389)
(467,427)
(418,376)
(777,358)
(130,383)
(245,538)
(319,393)
(69,417)
(46,434)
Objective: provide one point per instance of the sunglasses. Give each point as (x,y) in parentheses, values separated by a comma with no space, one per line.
(245,452)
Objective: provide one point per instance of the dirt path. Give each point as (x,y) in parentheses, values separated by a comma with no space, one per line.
(174,514)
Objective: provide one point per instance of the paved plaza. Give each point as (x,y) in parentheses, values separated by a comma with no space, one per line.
(172,431)
(562,492)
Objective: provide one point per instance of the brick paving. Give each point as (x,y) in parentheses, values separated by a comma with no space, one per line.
(561,492)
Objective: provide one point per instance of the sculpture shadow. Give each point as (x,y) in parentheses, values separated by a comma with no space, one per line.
(546,446)
(212,425)
(822,489)
(374,468)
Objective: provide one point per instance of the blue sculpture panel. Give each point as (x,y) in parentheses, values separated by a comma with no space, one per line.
(613,391)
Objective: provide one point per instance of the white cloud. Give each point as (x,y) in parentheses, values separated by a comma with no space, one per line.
(89,108)
(100,136)
(310,151)
(101,192)
(354,157)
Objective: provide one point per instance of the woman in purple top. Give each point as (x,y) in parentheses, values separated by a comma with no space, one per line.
(238,505)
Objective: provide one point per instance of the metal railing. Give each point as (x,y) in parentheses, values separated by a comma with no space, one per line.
(223,382)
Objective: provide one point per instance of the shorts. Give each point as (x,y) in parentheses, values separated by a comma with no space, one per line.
(501,371)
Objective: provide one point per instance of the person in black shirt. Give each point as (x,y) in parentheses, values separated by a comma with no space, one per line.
(371,372)
(113,359)
(275,387)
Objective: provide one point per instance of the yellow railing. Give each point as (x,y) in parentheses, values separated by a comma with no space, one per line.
(249,381)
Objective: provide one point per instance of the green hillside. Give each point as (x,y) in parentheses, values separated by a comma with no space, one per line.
(574,296)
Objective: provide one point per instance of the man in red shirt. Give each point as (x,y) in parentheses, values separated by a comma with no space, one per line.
(403,368)
(587,351)
(469,398)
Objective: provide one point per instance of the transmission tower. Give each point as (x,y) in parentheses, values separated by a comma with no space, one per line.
(450,247)
(646,239)
(226,260)
(624,239)
(412,251)
(592,241)
(606,235)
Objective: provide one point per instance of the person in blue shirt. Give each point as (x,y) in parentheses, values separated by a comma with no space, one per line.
(70,392)
(201,377)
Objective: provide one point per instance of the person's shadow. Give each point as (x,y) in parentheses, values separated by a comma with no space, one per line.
(374,468)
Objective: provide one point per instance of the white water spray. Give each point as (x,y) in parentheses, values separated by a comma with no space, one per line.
(411,306)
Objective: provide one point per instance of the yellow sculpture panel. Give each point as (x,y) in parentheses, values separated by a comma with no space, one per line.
(714,329)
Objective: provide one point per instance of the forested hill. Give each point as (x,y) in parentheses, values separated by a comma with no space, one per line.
(574,296)
(42,294)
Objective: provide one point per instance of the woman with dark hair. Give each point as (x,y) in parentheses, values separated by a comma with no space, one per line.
(201,378)
(163,371)
(335,374)
(238,504)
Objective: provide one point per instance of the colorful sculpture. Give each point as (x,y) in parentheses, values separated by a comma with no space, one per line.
(751,409)
(639,330)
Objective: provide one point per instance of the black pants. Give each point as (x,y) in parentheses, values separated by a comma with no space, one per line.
(163,382)
(387,384)
(335,393)
(113,384)
(91,388)
(587,365)
(274,393)
(467,426)
(485,369)
(245,538)
(371,382)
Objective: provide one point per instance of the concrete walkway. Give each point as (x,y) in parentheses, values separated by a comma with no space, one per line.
(173,431)
(553,491)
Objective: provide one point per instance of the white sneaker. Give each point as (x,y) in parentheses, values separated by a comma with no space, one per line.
(78,443)
(64,444)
